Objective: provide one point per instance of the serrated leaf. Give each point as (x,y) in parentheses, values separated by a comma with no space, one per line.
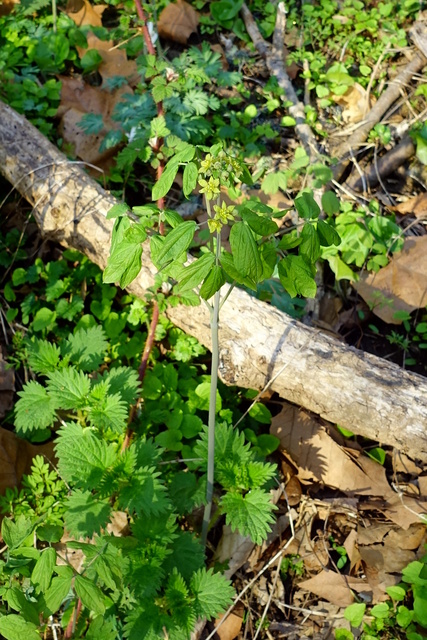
(83,458)
(15,532)
(175,243)
(86,514)
(17,601)
(327,234)
(251,514)
(68,388)
(297,277)
(107,410)
(310,245)
(125,381)
(213,282)
(213,593)
(260,225)
(43,570)
(87,348)
(193,275)
(14,627)
(330,203)
(145,493)
(306,206)
(35,409)
(90,595)
(43,356)
(229,445)
(58,591)
(245,252)
(189,178)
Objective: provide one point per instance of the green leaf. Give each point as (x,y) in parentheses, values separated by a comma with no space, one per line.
(35,409)
(290,240)
(227,262)
(189,178)
(354,613)
(83,458)
(17,601)
(260,413)
(306,206)
(87,348)
(14,627)
(43,319)
(145,493)
(193,275)
(43,356)
(213,593)
(175,243)
(91,60)
(310,245)
(245,252)
(420,605)
(43,570)
(118,210)
(68,388)
(296,277)
(124,264)
(58,590)
(165,182)
(251,514)
(85,514)
(330,203)
(273,182)
(212,283)
(327,234)
(260,225)
(90,595)
(107,410)
(14,533)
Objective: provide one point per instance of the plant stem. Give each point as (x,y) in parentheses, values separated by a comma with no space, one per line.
(214,319)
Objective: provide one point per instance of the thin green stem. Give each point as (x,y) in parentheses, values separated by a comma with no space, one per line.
(212,402)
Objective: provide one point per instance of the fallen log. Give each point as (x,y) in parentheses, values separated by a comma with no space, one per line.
(258,343)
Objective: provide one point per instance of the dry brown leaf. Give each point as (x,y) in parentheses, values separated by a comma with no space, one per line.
(234,548)
(401,285)
(7,6)
(354,102)
(230,628)
(416,205)
(178,21)
(16,457)
(83,13)
(334,587)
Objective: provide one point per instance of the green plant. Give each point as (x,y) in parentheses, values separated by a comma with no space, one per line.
(404,614)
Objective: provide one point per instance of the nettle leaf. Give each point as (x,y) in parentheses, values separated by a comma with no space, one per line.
(43,356)
(35,409)
(296,276)
(189,178)
(14,627)
(86,514)
(145,493)
(68,388)
(327,234)
(307,206)
(245,252)
(125,381)
(87,348)
(106,410)
(90,595)
(43,570)
(193,275)
(251,514)
(175,243)
(213,593)
(252,475)
(229,445)
(310,245)
(213,283)
(260,225)
(83,458)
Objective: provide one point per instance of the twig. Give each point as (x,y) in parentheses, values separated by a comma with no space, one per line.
(386,165)
(372,78)
(275,64)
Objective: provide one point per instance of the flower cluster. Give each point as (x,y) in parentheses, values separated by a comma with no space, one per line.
(222,167)
(223,215)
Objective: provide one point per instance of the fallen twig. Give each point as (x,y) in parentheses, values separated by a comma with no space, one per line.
(386,165)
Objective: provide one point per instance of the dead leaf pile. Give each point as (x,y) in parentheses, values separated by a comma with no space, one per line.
(178,21)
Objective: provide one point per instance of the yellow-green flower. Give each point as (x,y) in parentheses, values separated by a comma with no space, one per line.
(210,188)
(224,213)
(206,164)
(214,225)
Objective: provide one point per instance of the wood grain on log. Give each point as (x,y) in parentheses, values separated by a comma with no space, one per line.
(361,392)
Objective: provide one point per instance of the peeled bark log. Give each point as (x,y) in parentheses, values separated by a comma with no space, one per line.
(258,343)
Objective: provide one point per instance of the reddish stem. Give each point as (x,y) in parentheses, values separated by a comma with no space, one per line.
(73,620)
